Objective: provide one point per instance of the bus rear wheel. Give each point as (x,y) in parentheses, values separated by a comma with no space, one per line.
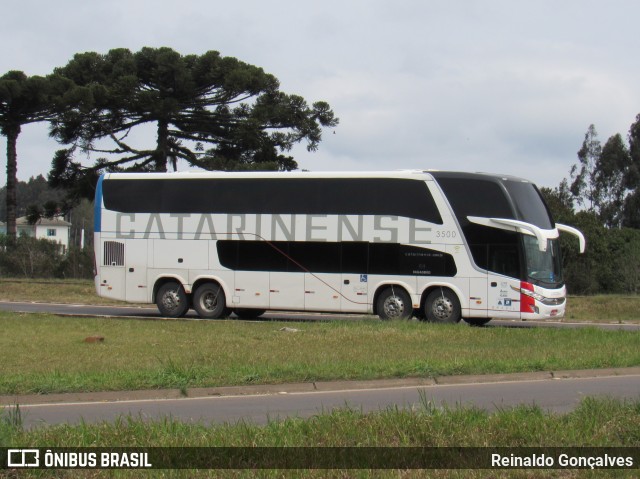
(442,306)
(171,300)
(394,303)
(209,302)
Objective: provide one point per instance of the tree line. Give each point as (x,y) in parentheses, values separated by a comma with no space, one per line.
(601,197)
(211,111)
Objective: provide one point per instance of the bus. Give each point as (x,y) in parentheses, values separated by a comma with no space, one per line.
(436,245)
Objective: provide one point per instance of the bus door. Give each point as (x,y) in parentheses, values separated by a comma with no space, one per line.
(503,283)
(355,293)
(355,280)
(136,270)
(504,298)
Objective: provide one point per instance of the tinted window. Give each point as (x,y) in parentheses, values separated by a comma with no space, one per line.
(384,258)
(425,262)
(358,196)
(474,197)
(494,249)
(530,206)
(355,257)
(326,257)
(318,257)
(497,198)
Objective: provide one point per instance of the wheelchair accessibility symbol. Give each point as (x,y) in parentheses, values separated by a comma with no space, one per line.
(363,278)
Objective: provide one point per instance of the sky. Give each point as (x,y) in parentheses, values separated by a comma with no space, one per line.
(497,86)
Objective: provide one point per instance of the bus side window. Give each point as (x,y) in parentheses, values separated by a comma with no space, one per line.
(317,257)
(262,256)
(504,259)
(355,257)
(228,254)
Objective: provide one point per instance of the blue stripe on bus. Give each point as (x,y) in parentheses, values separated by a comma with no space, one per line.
(97,207)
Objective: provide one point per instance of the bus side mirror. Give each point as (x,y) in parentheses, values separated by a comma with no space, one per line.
(574,232)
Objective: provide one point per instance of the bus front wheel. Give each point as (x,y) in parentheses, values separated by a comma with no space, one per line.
(171,300)
(209,301)
(477,321)
(442,306)
(394,303)
(249,313)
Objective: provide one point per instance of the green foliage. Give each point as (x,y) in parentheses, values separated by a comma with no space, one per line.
(611,263)
(34,194)
(582,186)
(611,180)
(606,187)
(76,263)
(23,100)
(40,258)
(27,257)
(606,180)
(211,111)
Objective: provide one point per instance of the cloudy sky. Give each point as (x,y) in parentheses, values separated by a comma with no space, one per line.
(494,85)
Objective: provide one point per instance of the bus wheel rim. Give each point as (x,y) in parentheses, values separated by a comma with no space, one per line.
(171,300)
(442,308)
(209,301)
(393,307)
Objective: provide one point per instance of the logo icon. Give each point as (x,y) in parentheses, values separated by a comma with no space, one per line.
(23,458)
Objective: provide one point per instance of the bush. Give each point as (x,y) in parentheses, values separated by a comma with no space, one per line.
(76,264)
(40,258)
(611,263)
(28,257)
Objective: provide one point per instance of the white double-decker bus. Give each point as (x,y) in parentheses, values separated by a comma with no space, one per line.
(440,246)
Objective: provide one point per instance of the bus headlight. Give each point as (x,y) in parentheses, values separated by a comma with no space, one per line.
(533,294)
(543,299)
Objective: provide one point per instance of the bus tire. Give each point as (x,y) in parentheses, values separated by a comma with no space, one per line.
(209,301)
(249,313)
(442,306)
(394,303)
(477,321)
(171,300)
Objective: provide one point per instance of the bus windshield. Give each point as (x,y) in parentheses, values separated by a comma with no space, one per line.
(528,203)
(544,268)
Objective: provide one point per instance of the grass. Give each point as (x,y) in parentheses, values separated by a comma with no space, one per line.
(51,291)
(604,308)
(595,423)
(46,354)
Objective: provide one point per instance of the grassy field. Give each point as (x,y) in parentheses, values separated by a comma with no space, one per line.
(597,423)
(45,353)
(51,291)
(602,308)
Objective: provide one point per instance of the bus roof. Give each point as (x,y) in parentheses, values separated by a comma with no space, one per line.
(422,175)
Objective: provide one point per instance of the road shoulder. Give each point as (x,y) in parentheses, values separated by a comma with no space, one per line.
(319,386)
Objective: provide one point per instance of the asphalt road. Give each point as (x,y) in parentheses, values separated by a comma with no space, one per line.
(151,312)
(558,395)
